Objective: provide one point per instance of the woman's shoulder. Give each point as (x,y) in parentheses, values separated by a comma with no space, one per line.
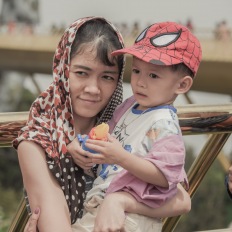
(123,107)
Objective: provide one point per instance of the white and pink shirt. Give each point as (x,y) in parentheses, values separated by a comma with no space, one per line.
(154,135)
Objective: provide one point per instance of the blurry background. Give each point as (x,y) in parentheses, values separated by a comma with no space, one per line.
(29,33)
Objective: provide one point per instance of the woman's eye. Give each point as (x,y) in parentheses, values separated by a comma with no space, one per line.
(80,73)
(134,70)
(152,75)
(108,78)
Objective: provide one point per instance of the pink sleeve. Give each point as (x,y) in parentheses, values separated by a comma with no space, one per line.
(168,154)
(120,110)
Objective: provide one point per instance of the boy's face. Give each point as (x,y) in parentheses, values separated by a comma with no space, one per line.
(153,85)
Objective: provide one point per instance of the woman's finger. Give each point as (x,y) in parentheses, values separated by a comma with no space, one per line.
(31,225)
(83,162)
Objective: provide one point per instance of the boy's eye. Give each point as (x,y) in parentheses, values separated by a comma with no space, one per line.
(152,75)
(134,70)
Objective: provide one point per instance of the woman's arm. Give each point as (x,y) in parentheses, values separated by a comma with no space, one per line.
(42,189)
(111,213)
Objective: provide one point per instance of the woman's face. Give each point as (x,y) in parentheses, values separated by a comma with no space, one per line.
(91,84)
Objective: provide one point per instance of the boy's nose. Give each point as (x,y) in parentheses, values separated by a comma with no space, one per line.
(141,81)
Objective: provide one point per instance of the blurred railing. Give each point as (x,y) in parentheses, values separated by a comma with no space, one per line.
(215,120)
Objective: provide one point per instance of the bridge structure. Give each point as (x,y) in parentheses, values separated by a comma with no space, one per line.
(34,54)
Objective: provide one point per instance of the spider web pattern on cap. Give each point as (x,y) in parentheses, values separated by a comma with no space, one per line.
(166,43)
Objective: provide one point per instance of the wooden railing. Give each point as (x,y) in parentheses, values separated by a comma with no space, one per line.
(214,120)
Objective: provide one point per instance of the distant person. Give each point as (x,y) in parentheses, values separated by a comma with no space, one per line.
(124,30)
(135,30)
(223,31)
(189,25)
(229,182)
(216,31)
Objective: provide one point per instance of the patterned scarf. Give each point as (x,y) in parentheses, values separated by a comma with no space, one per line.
(51,123)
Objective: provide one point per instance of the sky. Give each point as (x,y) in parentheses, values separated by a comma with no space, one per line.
(204,13)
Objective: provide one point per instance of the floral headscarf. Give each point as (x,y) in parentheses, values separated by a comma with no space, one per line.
(51,123)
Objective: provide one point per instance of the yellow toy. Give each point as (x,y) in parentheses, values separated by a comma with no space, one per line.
(99,132)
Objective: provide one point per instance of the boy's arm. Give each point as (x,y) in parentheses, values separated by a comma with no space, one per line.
(112,152)
(161,166)
(42,189)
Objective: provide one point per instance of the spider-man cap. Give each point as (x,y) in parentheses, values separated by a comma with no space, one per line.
(166,43)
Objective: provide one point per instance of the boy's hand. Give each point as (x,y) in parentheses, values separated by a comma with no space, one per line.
(110,152)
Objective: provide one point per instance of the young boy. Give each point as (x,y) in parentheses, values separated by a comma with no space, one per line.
(147,157)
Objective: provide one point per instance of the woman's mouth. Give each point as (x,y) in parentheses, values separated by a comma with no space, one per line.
(89,101)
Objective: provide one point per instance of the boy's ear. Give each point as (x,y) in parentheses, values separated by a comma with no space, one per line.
(184,85)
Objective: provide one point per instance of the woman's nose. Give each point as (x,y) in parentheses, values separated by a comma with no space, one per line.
(92,87)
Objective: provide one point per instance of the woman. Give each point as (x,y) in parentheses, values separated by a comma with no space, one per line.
(86,89)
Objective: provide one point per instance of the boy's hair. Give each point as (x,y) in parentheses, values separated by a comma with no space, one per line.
(102,37)
(182,69)
(166,43)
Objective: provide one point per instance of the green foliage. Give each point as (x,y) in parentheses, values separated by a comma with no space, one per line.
(10,199)
(10,174)
(27,99)
(211,206)
(11,185)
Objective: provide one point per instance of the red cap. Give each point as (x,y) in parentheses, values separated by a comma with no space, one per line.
(166,43)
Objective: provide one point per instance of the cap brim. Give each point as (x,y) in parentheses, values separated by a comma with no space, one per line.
(130,50)
(150,56)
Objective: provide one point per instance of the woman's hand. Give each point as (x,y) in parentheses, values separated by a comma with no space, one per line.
(31,225)
(79,155)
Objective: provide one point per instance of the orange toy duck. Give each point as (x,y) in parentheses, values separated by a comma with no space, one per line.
(99,132)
